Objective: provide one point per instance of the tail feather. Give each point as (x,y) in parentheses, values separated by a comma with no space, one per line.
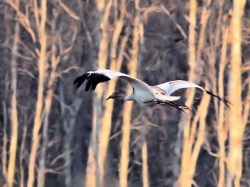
(225,101)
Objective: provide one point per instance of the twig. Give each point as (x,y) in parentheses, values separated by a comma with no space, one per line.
(67,9)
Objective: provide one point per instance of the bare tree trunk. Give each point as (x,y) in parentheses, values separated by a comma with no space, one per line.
(40,92)
(14,113)
(104,125)
(190,147)
(128,106)
(22,156)
(126,124)
(4,146)
(145,164)
(68,126)
(68,131)
(98,149)
(123,174)
(91,170)
(221,130)
(236,128)
(193,149)
(202,112)
(127,112)
(48,103)
(184,178)
(191,43)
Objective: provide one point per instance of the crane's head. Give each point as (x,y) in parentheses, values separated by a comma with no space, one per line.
(117,95)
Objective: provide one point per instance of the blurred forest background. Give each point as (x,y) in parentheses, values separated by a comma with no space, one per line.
(54,135)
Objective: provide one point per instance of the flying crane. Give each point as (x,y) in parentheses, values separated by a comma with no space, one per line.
(142,92)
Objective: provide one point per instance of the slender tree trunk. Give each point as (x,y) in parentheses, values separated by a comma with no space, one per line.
(22,156)
(235,113)
(128,106)
(145,164)
(104,126)
(221,130)
(98,149)
(96,159)
(68,126)
(91,170)
(40,92)
(191,147)
(48,103)
(123,174)
(4,146)
(192,40)
(185,179)
(14,113)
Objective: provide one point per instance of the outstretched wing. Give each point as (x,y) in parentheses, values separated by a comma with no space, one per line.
(95,77)
(172,86)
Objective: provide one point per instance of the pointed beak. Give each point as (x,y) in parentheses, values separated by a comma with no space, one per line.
(110,97)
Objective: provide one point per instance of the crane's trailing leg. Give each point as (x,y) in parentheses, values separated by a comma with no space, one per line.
(182,108)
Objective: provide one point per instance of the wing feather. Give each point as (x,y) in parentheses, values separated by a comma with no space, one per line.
(95,77)
(173,86)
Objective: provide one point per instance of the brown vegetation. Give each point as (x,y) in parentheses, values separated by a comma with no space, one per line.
(53,135)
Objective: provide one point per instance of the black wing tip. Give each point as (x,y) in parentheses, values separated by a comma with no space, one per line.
(96,79)
(76,81)
(92,80)
(225,101)
(80,80)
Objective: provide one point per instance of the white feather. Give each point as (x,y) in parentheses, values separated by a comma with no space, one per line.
(109,73)
(172,86)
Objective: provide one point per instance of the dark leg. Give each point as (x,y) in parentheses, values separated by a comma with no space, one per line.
(182,108)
